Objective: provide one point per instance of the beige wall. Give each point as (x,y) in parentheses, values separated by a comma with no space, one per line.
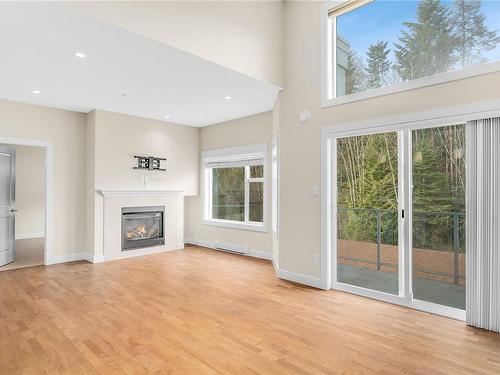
(246,36)
(119,137)
(300,217)
(66,131)
(30,192)
(245,131)
(112,141)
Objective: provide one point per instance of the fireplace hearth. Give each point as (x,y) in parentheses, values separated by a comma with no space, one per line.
(142,227)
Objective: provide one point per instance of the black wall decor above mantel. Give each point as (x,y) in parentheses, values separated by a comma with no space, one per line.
(150,163)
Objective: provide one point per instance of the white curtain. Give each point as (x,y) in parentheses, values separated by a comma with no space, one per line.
(483,224)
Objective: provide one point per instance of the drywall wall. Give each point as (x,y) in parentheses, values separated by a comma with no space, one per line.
(246,36)
(300,215)
(66,131)
(245,131)
(112,141)
(119,137)
(30,192)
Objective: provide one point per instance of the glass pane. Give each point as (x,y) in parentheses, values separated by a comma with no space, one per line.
(439,215)
(367,220)
(257,171)
(388,42)
(228,199)
(256,202)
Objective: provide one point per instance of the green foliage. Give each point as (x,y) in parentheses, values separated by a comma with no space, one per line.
(471,35)
(367,183)
(229,193)
(355,77)
(378,64)
(427,46)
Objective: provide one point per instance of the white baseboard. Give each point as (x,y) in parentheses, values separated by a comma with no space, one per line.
(259,254)
(96,259)
(300,278)
(68,258)
(212,245)
(29,236)
(132,254)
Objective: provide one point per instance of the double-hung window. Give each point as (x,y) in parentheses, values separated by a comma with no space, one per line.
(379,47)
(235,187)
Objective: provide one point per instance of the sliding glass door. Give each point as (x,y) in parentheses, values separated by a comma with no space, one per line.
(367,211)
(438,215)
(400,215)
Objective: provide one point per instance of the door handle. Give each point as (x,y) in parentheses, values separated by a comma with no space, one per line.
(13,210)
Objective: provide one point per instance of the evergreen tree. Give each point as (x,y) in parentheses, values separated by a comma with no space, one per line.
(427,46)
(471,33)
(378,65)
(354,78)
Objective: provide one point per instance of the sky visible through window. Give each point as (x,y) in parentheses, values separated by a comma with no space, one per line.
(388,42)
(382,20)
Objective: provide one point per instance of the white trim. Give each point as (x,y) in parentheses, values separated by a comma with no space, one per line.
(28,236)
(429,118)
(257,227)
(49,186)
(448,312)
(135,193)
(206,187)
(328,66)
(301,279)
(135,253)
(68,258)
(213,245)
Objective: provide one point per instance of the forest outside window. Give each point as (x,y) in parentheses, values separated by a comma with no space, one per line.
(235,187)
(388,44)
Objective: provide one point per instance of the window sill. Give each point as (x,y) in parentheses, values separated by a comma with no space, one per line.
(474,71)
(236,225)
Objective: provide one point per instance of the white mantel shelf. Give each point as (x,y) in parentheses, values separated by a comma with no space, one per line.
(138,193)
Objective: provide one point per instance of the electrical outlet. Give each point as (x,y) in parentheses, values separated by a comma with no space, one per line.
(316,259)
(316,191)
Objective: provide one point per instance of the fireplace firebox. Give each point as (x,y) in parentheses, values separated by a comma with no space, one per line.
(142,227)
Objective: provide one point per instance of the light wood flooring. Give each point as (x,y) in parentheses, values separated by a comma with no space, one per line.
(198,311)
(29,253)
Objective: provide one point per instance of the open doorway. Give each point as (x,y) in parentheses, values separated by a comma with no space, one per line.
(23,204)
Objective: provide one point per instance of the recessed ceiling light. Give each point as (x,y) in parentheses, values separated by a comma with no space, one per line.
(80,55)
(227,97)
(167,116)
(36,92)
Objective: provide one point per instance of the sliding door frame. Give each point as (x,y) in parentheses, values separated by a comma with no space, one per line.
(403,126)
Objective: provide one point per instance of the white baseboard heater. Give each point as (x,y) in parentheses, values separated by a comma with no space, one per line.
(231,248)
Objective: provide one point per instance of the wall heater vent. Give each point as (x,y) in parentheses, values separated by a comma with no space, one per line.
(231,248)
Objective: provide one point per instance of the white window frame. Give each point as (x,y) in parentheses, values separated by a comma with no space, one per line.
(402,124)
(328,63)
(207,185)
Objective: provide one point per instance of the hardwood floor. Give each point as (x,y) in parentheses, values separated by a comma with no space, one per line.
(28,253)
(198,311)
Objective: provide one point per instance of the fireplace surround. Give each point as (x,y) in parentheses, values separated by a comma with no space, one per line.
(142,227)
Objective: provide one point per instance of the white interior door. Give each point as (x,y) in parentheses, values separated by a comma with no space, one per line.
(7,202)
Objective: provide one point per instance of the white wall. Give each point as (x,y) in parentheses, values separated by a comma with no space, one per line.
(246,36)
(300,215)
(30,192)
(248,130)
(66,131)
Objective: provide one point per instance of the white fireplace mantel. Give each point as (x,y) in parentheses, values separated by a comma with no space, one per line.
(111,213)
(137,193)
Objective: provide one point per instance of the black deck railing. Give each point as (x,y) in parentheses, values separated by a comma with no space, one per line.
(378,215)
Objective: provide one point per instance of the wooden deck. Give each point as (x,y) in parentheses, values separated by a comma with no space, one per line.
(198,311)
